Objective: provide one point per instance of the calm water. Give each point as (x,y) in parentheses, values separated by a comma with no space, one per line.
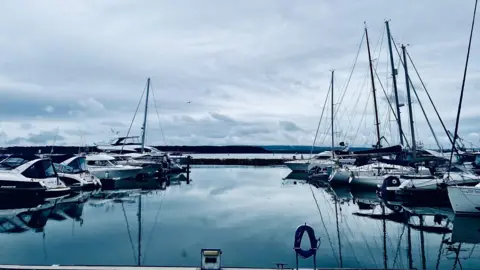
(250,213)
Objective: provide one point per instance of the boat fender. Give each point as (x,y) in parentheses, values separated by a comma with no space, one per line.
(298,240)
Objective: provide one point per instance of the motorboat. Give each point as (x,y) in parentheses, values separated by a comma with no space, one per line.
(72,170)
(104,167)
(150,167)
(133,145)
(23,176)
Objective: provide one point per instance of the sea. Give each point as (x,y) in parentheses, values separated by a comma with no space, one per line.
(250,213)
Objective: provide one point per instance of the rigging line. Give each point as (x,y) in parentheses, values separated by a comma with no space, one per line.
(154,225)
(134,115)
(455,135)
(419,102)
(351,116)
(158,115)
(378,46)
(361,119)
(351,72)
(129,234)
(320,120)
(398,249)
(424,88)
(323,222)
(389,103)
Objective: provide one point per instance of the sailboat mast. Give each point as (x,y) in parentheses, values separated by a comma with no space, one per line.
(410,111)
(333,131)
(394,79)
(144,127)
(139,215)
(373,89)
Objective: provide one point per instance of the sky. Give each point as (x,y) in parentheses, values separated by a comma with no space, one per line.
(229,72)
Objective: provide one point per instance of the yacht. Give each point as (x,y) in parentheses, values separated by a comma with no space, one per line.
(150,167)
(104,167)
(73,171)
(132,145)
(30,176)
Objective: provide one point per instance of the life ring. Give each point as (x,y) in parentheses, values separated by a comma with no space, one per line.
(298,240)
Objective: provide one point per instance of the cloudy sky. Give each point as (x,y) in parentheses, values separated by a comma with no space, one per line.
(225,72)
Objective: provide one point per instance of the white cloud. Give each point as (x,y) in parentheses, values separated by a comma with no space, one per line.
(49,109)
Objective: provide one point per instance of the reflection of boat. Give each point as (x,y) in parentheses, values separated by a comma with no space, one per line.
(19,219)
(466,230)
(295,175)
(70,207)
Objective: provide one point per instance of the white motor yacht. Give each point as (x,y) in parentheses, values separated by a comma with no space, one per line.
(150,167)
(73,171)
(30,176)
(104,167)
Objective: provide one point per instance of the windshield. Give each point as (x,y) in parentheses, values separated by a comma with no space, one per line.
(11,163)
(40,169)
(63,168)
(78,165)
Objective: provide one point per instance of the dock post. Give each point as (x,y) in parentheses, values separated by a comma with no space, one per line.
(189,158)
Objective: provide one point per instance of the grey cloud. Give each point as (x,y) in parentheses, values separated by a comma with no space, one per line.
(26,126)
(289,126)
(113,124)
(223,118)
(42,137)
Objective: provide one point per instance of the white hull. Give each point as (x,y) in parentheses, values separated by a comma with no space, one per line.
(298,165)
(340,177)
(116,173)
(465,200)
(367,181)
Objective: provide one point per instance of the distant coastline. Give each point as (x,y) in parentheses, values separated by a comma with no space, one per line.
(200,149)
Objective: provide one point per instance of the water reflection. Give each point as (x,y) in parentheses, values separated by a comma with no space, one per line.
(250,213)
(427,220)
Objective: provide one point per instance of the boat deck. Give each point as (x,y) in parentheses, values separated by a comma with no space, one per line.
(78,267)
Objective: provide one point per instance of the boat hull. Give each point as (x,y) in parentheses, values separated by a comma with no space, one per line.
(464,200)
(298,166)
(340,177)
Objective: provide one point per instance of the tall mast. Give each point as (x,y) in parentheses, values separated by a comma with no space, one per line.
(394,78)
(139,215)
(144,127)
(333,137)
(410,111)
(373,89)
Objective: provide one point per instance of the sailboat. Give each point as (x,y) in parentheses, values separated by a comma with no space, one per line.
(372,175)
(133,151)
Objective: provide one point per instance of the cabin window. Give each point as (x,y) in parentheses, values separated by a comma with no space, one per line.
(40,169)
(145,150)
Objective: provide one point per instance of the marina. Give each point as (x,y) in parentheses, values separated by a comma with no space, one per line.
(207,136)
(244,211)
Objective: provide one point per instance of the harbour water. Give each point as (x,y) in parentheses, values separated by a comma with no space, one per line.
(249,213)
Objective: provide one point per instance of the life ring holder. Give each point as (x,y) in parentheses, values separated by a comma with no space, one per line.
(314,244)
